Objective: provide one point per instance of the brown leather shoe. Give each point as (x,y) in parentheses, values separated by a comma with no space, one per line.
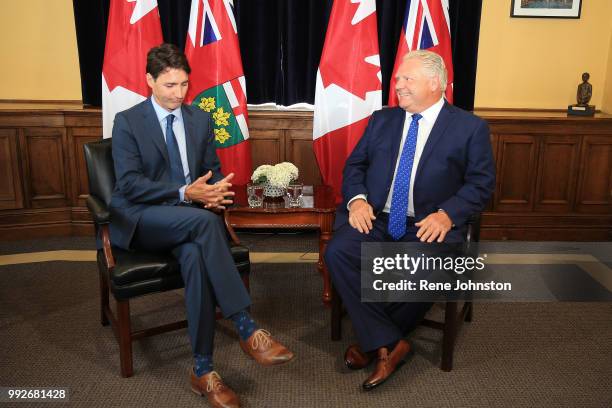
(219,395)
(264,349)
(355,359)
(387,363)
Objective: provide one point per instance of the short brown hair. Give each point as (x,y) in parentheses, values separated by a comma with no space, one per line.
(166,56)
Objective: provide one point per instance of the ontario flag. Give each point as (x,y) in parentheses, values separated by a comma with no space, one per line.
(348,88)
(133,29)
(426,27)
(217,82)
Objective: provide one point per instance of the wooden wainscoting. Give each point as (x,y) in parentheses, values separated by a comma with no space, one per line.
(554,173)
(43,185)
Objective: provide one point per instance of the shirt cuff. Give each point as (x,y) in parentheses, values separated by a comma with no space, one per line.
(182,194)
(443,211)
(358,196)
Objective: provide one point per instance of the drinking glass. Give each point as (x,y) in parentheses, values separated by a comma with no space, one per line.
(295,191)
(255,195)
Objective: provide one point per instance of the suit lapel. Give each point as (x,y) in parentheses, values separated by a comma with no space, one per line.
(442,122)
(190,141)
(153,128)
(396,127)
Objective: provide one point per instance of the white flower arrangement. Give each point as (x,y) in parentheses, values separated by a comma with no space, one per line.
(279,175)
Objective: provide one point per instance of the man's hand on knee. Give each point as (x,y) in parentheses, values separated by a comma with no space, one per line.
(434,227)
(212,196)
(361,216)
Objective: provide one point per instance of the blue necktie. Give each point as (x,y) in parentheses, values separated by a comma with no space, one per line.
(176,165)
(401,185)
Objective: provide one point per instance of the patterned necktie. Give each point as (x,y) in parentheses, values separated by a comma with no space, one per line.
(401,185)
(176,165)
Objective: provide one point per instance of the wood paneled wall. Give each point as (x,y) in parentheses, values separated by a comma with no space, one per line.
(284,136)
(554,173)
(554,177)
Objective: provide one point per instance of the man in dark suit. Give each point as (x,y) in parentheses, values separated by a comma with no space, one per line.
(418,173)
(167,170)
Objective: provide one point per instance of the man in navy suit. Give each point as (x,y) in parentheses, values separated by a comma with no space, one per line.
(167,169)
(418,173)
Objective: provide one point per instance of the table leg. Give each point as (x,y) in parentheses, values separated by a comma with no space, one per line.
(326,223)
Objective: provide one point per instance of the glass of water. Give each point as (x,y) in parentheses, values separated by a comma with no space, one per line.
(255,194)
(295,191)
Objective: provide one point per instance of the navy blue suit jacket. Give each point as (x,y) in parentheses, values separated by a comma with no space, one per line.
(455,172)
(141,164)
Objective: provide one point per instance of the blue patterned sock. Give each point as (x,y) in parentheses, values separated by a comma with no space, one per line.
(203,364)
(244,324)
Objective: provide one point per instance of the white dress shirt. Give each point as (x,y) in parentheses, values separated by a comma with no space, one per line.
(426,123)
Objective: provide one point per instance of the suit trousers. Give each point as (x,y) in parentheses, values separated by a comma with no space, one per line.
(375,324)
(197,238)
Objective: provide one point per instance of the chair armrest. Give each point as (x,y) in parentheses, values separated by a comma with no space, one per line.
(106,246)
(98,210)
(101,216)
(473,228)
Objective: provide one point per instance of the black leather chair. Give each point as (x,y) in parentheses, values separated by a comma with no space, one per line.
(130,274)
(453,316)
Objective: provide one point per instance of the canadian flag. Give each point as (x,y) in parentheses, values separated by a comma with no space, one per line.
(348,88)
(426,27)
(133,29)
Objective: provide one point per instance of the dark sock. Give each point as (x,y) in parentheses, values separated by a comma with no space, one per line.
(203,364)
(244,324)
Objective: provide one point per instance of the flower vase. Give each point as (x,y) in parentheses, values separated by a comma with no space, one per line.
(274,197)
(273,191)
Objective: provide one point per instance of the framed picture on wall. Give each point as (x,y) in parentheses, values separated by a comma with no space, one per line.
(546,8)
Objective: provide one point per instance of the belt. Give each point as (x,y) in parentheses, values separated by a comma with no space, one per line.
(384,216)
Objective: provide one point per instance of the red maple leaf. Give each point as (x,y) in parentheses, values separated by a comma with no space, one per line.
(346,48)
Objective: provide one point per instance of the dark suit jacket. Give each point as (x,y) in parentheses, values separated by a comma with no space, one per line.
(141,164)
(455,172)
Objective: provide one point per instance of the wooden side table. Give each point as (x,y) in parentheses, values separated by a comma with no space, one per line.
(317,212)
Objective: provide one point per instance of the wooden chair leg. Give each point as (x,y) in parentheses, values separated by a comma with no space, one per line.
(448,336)
(469,314)
(125,338)
(104,302)
(336,315)
(246,282)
